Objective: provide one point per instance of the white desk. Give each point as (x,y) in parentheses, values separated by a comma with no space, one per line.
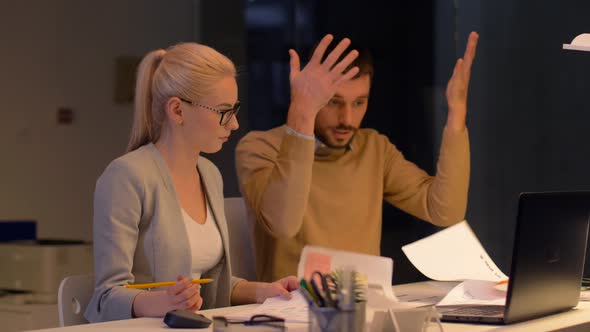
(574,320)
(157,324)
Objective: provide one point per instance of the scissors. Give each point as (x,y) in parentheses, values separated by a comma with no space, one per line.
(324,295)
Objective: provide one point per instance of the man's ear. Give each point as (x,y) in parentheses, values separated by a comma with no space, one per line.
(173,110)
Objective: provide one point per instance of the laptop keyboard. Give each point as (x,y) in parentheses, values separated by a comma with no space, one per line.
(481,311)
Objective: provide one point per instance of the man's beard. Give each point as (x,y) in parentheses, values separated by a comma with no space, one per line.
(344,145)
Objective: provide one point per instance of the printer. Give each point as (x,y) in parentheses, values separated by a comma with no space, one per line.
(31,270)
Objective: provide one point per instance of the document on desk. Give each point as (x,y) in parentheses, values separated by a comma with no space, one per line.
(474,292)
(294,310)
(454,254)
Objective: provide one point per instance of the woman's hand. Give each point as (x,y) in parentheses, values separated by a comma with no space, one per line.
(182,295)
(282,287)
(246,292)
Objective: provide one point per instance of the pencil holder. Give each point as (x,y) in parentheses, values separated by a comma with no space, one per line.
(329,319)
(419,319)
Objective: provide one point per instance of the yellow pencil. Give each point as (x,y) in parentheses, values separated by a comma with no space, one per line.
(167,283)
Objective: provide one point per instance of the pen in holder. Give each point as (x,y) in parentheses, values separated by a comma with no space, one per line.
(336,302)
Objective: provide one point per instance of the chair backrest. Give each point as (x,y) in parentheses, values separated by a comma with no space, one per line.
(72,299)
(240,223)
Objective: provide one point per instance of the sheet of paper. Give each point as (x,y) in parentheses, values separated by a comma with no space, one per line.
(294,310)
(474,292)
(378,270)
(317,261)
(454,253)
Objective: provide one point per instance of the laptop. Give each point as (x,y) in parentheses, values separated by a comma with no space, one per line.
(547,260)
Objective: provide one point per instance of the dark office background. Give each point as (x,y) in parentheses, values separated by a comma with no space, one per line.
(528,101)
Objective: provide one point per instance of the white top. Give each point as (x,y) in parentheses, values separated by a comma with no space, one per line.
(205,241)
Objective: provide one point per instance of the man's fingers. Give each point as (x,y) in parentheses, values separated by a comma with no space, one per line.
(458,68)
(349,75)
(294,63)
(471,49)
(348,59)
(321,49)
(336,53)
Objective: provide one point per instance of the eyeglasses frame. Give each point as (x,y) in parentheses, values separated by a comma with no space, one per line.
(233,111)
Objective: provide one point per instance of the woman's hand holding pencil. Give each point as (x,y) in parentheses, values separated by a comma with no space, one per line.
(182,294)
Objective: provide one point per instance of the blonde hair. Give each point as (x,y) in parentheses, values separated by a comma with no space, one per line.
(186,70)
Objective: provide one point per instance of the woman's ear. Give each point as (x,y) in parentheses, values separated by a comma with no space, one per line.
(173,110)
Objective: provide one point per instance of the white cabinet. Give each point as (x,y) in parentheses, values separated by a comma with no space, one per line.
(23,317)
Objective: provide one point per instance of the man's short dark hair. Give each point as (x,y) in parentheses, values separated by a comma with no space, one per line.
(364,61)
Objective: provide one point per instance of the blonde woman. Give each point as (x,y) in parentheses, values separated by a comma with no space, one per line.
(158,210)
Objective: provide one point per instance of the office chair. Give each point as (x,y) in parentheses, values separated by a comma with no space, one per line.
(72,299)
(240,223)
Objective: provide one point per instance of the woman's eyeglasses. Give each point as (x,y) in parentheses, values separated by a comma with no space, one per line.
(226,115)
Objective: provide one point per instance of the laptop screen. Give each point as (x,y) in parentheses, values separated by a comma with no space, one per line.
(548,255)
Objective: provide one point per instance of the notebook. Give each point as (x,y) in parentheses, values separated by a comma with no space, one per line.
(547,260)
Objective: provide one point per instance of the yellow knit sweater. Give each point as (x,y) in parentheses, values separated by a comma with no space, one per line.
(333,197)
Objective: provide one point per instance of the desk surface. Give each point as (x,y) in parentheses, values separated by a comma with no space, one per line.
(574,320)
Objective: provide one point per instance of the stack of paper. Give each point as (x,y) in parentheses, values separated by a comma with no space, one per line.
(294,310)
(454,254)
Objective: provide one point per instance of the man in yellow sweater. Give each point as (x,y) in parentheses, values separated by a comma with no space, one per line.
(321,180)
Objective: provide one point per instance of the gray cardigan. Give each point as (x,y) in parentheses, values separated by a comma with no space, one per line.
(140,236)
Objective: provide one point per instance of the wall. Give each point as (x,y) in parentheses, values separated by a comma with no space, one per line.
(61,53)
(528,106)
(223,29)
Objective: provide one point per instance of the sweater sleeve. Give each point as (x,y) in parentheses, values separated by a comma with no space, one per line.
(440,199)
(117,212)
(274,174)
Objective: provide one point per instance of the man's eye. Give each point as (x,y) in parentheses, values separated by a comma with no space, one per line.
(359,103)
(334,102)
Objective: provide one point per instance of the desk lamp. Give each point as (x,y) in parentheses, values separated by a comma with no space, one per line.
(580,43)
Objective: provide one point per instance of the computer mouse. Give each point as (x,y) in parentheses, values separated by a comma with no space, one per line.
(186,319)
